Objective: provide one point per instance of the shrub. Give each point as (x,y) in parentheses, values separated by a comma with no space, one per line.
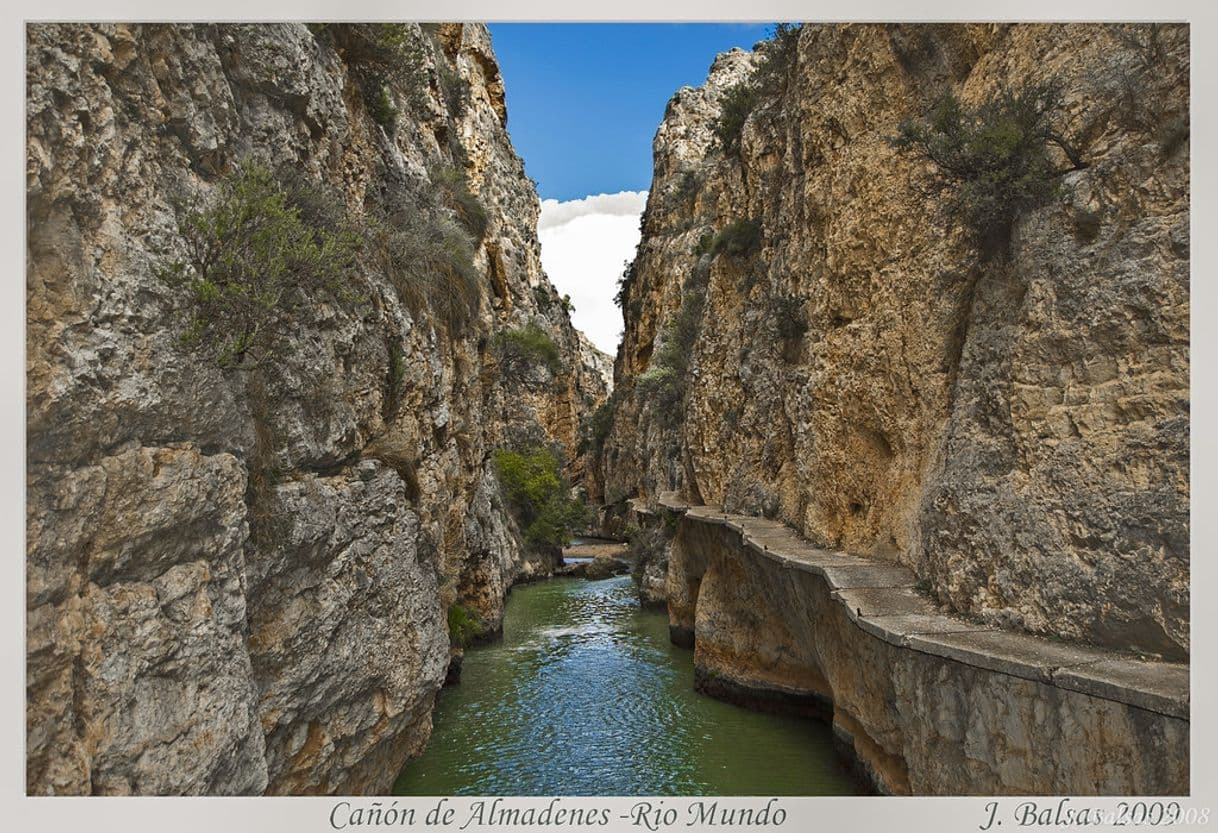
(662,386)
(993,160)
(737,238)
(789,319)
(666,379)
(257,254)
(395,51)
(539,496)
(395,373)
(596,427)
(522,349)
(381,55)
(453,88)
(382,109)
(453,188)
(775,58)
(686,188)
(738,103)
(462,626)
(428,257)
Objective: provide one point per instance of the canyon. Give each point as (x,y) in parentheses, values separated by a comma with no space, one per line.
(990,445)
(237,578)
(878,470)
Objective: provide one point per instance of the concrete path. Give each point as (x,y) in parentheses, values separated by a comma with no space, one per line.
(882,599)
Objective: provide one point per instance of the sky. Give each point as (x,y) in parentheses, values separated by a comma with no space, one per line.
(584,101)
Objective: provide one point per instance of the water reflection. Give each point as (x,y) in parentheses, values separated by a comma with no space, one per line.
(585,695)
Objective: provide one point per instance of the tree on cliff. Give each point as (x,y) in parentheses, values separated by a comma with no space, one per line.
(994,160)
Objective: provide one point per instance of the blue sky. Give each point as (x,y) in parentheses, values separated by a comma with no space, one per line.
(585,99)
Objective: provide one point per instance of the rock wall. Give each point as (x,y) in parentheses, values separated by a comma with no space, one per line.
(1014,429)
(926,704)
(237,578)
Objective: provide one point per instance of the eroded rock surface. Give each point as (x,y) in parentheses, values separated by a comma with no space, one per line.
(1014,429)
(238,578)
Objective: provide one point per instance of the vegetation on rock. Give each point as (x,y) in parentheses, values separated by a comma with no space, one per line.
(994,160)
(521,350)
(382,56)
(453,188)
(462,626)
(594,430)
(788,316)
(737,239)
(429,257)
(259,251)
(777,55)
(540,497)
(666,380)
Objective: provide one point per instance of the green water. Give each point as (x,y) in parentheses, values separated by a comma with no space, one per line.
(585,695)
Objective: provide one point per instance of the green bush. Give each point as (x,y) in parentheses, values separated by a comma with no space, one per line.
(462,626)
(396,51)
(737,239)
(540,498)
(595,428)
(259,253)
(382,109)
(453,189)
(522,349)
(993,160)
(775,58)
(663,387)
(738,102)
(687,187)
(665,382)
(788,315)
(395,373)
(453,88)
(381,55)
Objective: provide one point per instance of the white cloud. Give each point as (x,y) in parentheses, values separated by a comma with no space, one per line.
(555,213)
(583,245)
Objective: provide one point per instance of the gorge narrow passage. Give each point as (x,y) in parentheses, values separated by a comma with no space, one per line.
(585,695)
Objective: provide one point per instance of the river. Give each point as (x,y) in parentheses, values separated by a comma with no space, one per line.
(585,695)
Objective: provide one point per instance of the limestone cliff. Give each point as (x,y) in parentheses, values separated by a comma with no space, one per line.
(1014,428)
(238,574)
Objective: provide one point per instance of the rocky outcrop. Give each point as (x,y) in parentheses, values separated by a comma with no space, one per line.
(238,576)
(1013,429)
(927,704)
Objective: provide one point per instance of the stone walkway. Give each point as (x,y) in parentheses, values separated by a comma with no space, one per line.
(881,598)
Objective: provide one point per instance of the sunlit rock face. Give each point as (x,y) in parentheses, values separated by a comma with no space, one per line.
(1014,428)
(195,624)
(926,704)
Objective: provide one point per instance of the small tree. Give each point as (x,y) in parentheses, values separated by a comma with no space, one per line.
(258,252)
(737,239)
(539,496)
(994,160)
(776,56)
(519,351)
(594,429)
